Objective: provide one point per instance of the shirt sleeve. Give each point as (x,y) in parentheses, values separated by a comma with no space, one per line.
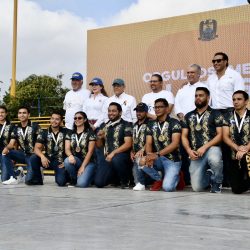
(170,98)
(184,122)
(176,126)
(101,119)
(133,112)
(177,106)
(239,83)
(218,119)
(41,138)
(128,130)
(92,136)
(68,135)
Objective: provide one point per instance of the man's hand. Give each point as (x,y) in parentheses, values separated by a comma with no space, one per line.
(181,116)
(132,155)
(80,171)
(150,158)
(5,151)
(240,154)
(201,151)
(72,159)
(193,155)
(110,156)
(45,161)
(139,154)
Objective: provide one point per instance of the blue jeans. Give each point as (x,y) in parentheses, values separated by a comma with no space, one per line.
(85,179)
(120,166)
(169,169)
(8,167)
(60,174)
(213,159)
(146,174)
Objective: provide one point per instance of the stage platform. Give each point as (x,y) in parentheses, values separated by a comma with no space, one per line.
(69,218)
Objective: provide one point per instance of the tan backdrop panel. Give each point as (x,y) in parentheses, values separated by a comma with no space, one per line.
(167,46)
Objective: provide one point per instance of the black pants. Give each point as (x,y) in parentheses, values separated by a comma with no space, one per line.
(239,175)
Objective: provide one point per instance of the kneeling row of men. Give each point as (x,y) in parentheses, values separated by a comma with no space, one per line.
(83,157)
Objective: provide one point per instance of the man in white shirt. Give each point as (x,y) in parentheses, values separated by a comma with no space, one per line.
(223,82)
(185,97)
(156,85)
(74,99)
(127,102)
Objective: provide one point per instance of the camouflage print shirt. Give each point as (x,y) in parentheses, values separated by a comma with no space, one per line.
(114,134)
(242,138)
(207,131)
(172,126)
(26,137)
(5,135)
(139,135)
(52,149)
(87,136)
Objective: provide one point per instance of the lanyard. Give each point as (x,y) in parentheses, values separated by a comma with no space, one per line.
(199,118)
(163,127)
(78,141)
(25,132)
(3,127)
(137,131)
(55,139)
(239,126)
(112,123)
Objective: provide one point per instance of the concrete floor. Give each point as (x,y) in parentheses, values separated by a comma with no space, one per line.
(50,217)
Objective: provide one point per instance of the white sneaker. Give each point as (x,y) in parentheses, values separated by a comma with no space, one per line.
(139,187)
(21,176)
(11,181)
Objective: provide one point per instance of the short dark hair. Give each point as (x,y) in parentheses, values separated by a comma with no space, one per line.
(244,93)
(119,107)
(224,56)
(57,112)
(163,100)
(203,89)
(159,77)
(24,107)
(4,108)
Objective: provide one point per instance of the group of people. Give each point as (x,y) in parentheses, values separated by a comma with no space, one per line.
(111,140)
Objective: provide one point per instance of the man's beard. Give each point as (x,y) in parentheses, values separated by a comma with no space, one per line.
(201,105)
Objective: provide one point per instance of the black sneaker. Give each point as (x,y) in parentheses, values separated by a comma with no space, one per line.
(216,188)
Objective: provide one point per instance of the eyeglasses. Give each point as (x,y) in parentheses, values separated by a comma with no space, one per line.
(159,107)
(78,118)
(217,60)
(153,81)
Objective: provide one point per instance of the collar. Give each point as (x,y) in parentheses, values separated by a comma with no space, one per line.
(145,122)
(28,124)
(122,95)
(167,119)
(50,129)
(208,108)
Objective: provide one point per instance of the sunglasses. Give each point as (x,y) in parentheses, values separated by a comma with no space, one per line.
(217,60)
(78,118)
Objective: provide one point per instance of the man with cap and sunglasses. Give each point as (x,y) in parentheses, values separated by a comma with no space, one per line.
(94,106)
(74,99)
(139,141)
(127,102)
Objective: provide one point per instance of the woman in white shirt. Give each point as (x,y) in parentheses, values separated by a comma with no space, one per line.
(94,106)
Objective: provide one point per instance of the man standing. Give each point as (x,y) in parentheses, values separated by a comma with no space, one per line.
(74,99)
(127,102)
(156,85)
(116,138)
(223,83)
(162,147)
(201,137)
(139,141)
(49,152)
(236,134)
(24,135)
(184,100)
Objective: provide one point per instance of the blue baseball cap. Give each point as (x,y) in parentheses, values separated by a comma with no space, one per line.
(96,81)
(77,76)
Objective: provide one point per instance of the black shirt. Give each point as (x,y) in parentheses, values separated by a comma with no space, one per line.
(139,139)
(6,135)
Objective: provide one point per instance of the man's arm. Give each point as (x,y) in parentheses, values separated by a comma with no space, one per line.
(185,142)
(123,148)
(10,146)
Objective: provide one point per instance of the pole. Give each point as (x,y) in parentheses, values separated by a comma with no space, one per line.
(13,79)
